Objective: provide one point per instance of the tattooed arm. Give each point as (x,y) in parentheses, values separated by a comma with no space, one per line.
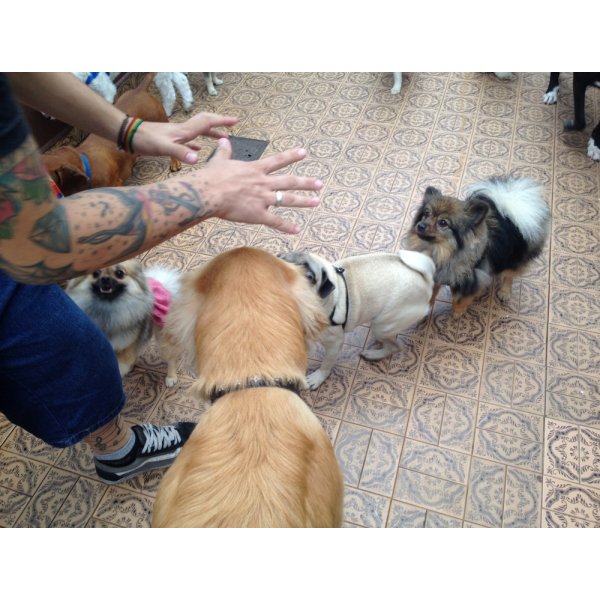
(44,239)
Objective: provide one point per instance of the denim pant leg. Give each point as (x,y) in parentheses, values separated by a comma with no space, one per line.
(59,377)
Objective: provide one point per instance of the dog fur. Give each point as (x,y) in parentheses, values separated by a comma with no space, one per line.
(259,457)
(102,84)
(119,300)
(581,81)
(391,292)
(168,85)
(109,166)
(500,227)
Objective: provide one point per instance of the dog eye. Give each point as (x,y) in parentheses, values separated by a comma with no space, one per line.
(443,223)
(96,274)
(119,273)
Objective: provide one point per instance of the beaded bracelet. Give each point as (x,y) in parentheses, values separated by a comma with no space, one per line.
(120,144)
(130,132)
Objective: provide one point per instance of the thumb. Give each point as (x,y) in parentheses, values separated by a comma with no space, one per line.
(183,153)
(223,150)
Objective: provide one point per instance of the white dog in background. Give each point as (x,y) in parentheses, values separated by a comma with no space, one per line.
(168,85)
(211,80)
(101,83)
(397,83)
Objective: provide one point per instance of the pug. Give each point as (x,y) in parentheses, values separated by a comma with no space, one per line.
(391,292)
(129,304)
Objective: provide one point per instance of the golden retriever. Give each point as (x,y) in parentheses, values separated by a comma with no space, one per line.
(259,456)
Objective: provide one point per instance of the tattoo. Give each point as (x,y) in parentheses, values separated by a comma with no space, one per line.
(44,239)
(52,232)
(39,272)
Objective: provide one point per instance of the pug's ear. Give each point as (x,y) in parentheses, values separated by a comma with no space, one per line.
(326,286)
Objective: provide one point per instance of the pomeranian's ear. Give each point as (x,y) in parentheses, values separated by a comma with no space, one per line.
(431,193)
(476,210)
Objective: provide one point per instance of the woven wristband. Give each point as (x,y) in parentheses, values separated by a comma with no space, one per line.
(133,127)
(120,136)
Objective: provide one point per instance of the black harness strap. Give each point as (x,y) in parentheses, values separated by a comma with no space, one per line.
(340,272)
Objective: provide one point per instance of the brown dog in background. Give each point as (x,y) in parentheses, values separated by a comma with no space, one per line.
(108,166)
(259,457)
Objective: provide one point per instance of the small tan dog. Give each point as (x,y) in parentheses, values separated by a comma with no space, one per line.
(390,291)
(259,456)
(129,304)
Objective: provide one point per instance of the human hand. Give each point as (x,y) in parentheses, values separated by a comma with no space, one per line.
(243,191)
(177,139)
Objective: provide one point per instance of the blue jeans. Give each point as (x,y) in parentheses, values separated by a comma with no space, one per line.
(59,377)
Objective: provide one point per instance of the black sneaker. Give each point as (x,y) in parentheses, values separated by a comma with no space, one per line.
(155,447)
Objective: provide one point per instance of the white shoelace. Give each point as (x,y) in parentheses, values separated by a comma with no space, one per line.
(158,438)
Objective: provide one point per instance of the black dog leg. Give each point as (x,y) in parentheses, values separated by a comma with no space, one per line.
(579,87)
(551,95)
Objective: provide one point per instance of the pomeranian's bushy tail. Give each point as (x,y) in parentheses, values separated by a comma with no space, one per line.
(519,199)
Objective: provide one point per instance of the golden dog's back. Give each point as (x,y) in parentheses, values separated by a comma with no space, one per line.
(259,457)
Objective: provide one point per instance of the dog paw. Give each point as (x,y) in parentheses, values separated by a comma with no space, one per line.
(572,125)
(551,97)
(315,379)
(593,150)
(374,353)
(396,90)
(170,381)
(211,90)
(217,81)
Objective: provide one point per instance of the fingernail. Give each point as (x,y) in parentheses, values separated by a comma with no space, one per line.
(295,229)
(302,152)
(318,184)
(315,201)
(191,158)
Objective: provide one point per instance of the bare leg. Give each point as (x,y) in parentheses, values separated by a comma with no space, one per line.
(109,438)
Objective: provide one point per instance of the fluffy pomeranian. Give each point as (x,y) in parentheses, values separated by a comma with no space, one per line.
(498,229)
(129,304)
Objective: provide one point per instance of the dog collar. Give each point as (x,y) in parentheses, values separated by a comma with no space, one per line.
(340,272)
(86,167)
(91,77)
(255,382)
(162,301)
(55,189)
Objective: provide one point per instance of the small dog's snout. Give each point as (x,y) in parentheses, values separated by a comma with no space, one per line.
(421,227)
(105,281)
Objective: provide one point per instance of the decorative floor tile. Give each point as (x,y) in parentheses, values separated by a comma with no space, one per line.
(435,461)
(431,493)
(485,499)
(381,463)
(572,499)
(522,499)
(458,426)
(510,422)
(405,515)
(508,450)
(351,449)
(364,508)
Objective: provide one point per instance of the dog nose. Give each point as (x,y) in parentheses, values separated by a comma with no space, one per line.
(104,280)
(421,227)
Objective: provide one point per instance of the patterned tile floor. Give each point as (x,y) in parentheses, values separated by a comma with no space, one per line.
(492,420)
